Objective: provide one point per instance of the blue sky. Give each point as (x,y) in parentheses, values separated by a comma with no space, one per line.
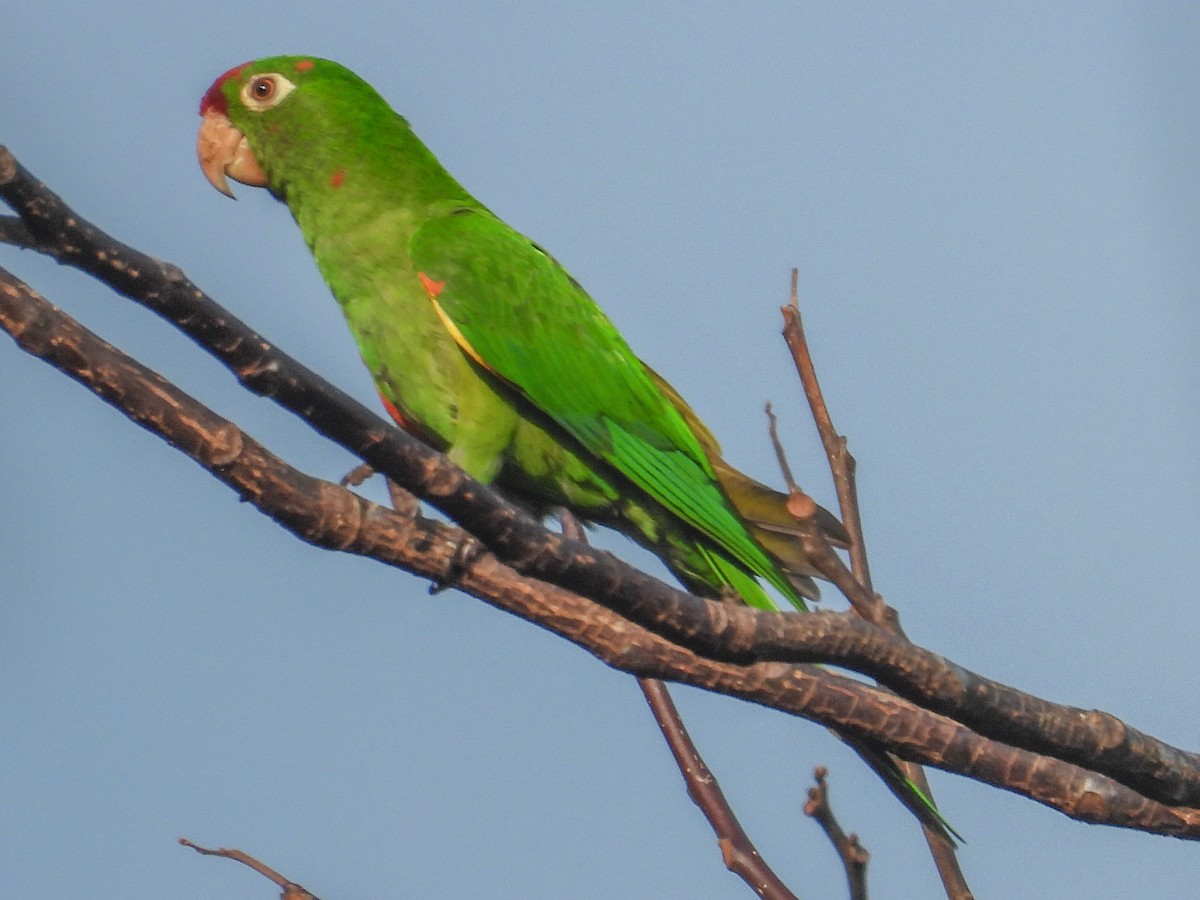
(994,213)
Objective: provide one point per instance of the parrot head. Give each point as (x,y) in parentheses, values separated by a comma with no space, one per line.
(278,113)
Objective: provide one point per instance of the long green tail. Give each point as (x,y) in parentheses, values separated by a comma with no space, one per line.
(914,799)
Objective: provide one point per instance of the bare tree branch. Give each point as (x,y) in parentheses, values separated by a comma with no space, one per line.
(841,462)
(737,850)
(290,890)
(866,602)
(328,516)
(646,627)
(14,232)
(854,856)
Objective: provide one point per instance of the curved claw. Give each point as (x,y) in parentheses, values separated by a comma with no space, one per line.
(223,151)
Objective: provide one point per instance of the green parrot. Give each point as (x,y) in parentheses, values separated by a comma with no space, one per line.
(482,345)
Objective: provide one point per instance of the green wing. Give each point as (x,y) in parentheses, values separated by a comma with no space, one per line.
(522,317)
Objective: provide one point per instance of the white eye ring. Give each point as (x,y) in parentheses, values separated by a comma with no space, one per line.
(265,91)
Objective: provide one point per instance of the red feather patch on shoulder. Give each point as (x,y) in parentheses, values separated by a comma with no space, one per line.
(214,100)
(432,288)
(337,178)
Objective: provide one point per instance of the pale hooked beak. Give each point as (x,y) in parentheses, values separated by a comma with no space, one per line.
(223,151)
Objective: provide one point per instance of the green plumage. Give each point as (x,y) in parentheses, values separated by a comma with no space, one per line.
(511,368)
(482,344)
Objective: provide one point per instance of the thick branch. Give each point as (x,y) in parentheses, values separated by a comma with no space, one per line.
(735,634)
(329,516)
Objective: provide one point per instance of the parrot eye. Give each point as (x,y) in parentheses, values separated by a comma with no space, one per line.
(265,91)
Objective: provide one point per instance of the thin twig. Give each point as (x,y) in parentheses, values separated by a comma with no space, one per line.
(291,890)
(854,856)
(869,604)
(737,850)
(780,453)
(840,460)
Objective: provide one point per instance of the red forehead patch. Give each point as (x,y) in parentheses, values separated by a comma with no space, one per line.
(304,65)
(214,100)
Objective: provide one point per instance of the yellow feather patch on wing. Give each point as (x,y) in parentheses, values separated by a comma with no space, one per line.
(463,343)
(432,289)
